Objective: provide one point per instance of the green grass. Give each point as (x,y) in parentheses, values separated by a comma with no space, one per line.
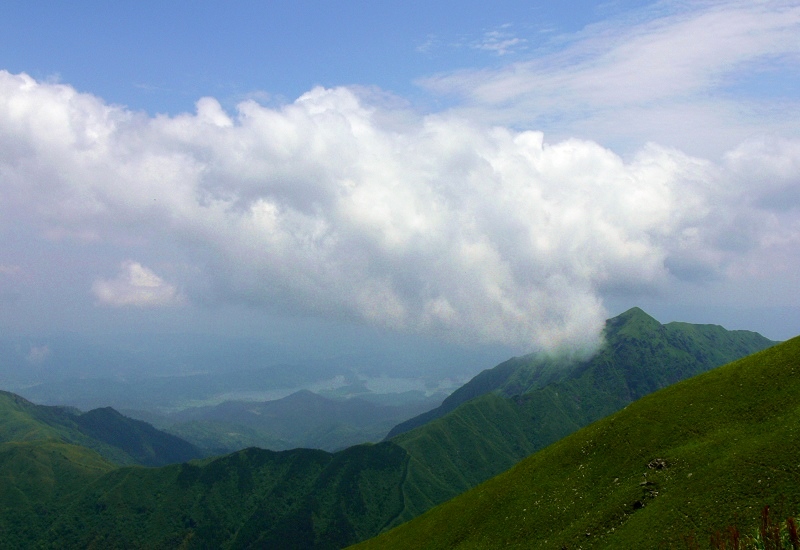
(729,439)
(639,356)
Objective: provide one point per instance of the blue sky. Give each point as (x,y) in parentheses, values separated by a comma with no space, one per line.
(163,56)
(492,177)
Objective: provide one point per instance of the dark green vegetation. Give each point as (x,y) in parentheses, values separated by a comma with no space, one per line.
(37,482)
(315,499)
(686,461)
(302,419)
(117,438)
(251,499)
(640,356)
(527,403)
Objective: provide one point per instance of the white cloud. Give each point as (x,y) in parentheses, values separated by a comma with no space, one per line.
(662,76)
(333,206)
(135,285)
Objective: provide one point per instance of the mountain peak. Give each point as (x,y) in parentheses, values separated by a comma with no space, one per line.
(634,322)
(634,313)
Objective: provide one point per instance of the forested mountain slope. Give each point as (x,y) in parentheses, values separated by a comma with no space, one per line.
(117,438)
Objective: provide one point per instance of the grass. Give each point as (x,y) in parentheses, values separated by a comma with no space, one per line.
(727,441)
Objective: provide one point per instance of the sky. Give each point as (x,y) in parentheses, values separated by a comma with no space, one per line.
(495,179)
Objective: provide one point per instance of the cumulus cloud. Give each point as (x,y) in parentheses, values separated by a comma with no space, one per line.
(135,285)
(333,206)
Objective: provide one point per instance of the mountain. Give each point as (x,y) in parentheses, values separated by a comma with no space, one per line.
(686,461)
(117,438)
(254,498)
(485,435)
(302,419)
(316,499)
(168,392)
(639,356)
(147,445)
(38,478)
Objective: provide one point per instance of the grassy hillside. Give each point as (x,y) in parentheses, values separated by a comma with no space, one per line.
(528,403)
(314,499)
(690,459)
(639,356)
(450,455)
(37,481)
(139,440)
(117,438)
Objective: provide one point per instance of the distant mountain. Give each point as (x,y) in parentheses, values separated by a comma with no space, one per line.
(302,419)
(147,445)
(117,438)
(167,391)
(687,461)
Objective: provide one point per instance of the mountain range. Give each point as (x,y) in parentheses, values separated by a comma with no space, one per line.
(302,419)
(306,498)
(115,437)
(696,460)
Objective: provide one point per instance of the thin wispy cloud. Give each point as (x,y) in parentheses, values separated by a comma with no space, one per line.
(429,45)
(671,58)
(10,270)
(501,42)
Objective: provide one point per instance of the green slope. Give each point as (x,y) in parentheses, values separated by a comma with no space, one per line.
(488,434)
(450,455)
(639,356)
(37,481)
(692,458)
(139,440)
(117,438)
(250,499)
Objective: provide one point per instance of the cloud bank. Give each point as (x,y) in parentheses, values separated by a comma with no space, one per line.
(334,206)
